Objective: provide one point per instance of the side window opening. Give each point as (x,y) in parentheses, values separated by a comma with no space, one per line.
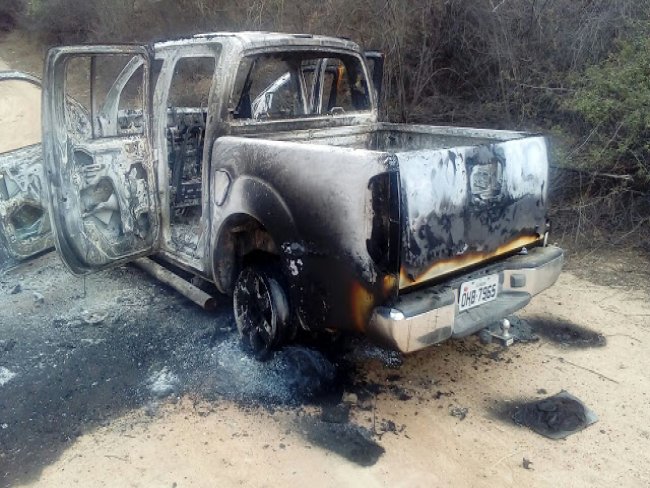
(299,84)
(130,110)
(187,105)
(77,97)
(105,96)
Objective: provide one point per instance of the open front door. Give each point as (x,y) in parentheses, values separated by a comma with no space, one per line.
(98,156)
(24,220)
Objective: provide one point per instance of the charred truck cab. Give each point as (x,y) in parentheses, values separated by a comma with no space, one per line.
(256,161)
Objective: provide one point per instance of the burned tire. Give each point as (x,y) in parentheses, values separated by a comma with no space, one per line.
(261,309)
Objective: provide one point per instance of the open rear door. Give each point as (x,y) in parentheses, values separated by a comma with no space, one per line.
(98,155)
(24,220)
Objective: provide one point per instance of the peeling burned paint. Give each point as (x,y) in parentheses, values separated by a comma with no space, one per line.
(445,266)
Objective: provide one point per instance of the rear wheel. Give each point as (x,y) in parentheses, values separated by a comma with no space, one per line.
(261,309)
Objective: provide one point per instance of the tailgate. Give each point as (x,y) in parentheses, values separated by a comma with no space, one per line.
(466,205)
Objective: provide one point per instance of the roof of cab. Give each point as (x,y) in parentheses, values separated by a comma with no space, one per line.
(260,39)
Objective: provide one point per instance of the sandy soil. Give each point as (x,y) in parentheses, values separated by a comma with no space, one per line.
(208,444)
(20,102)
(224,430)
(20,114)
(117,381)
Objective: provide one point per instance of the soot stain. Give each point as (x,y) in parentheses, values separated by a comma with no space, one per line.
(348,440)
(566,333)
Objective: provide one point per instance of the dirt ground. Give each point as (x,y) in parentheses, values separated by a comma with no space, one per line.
(118,381)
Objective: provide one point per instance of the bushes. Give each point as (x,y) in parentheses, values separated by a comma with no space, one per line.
(61,21)
(613,101)
(10,12)
(479,62)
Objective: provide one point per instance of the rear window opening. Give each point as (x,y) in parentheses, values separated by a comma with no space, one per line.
(296,84)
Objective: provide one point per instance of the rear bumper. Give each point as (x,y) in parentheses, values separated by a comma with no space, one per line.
(428,316)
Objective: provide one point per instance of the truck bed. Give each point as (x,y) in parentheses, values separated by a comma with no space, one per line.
(392,137)
(467,195)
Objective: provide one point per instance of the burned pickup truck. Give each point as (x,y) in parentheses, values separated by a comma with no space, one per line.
(256,162)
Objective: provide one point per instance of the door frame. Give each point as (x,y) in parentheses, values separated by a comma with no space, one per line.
(78,246)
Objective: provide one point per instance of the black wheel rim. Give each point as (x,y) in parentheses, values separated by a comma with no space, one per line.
(255,312)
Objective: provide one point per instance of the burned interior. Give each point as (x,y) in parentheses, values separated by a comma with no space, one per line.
(187,110)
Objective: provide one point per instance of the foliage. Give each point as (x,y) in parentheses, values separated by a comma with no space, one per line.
(613,99)
(10,12)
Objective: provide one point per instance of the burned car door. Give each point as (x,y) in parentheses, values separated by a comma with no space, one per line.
(24,220)
(98,158)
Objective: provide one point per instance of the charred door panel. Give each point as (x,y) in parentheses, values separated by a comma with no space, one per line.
(99,164)
(466,205)
(24,221)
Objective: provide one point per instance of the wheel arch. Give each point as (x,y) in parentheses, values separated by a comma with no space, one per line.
(242,236)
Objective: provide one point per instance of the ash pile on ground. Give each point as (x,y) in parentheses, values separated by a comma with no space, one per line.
(75,354)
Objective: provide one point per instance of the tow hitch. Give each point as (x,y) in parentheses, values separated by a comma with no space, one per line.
(501,333)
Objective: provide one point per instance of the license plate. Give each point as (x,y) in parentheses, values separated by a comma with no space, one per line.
(477,292)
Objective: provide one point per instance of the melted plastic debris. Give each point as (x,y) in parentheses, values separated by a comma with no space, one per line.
(365,351)
(556,417)
(350,441)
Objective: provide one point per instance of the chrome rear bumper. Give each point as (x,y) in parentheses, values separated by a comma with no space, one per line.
(428,316)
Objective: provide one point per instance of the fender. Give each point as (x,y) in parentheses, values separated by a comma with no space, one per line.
(263,208)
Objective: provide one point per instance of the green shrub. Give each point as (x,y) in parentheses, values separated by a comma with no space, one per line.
(613,101)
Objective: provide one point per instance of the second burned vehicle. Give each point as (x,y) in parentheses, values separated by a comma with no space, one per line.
(256,162)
